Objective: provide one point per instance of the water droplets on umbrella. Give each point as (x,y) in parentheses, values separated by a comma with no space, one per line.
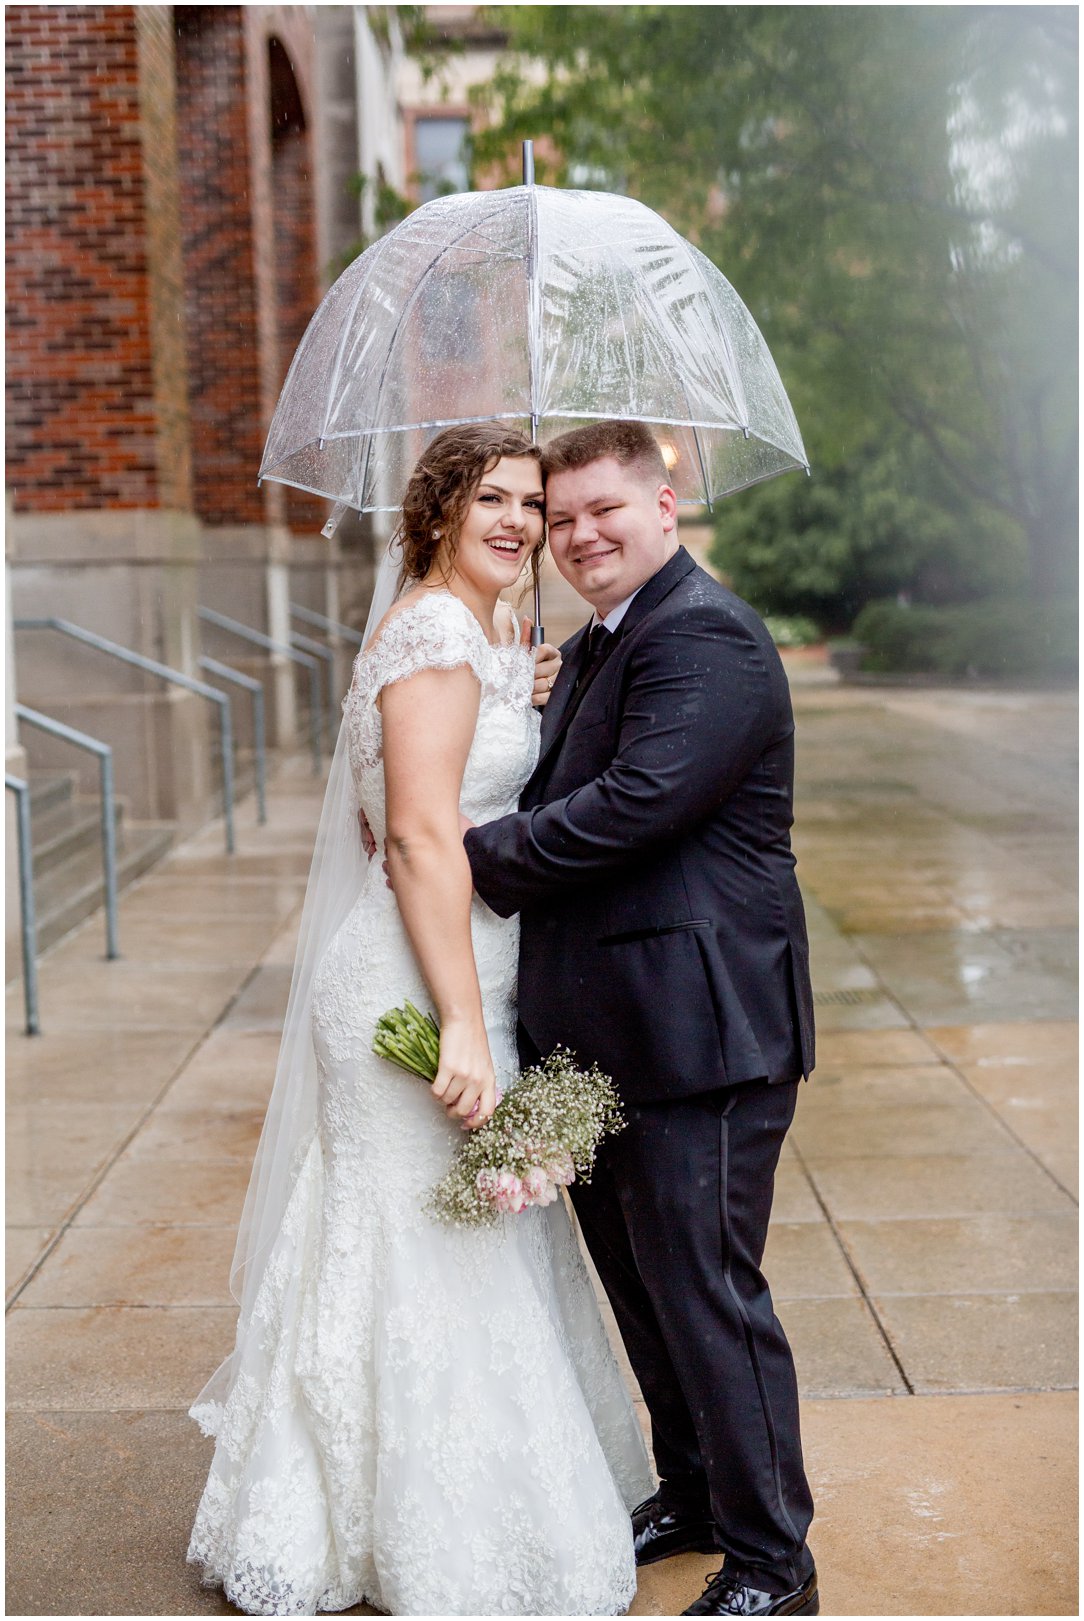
(540,307)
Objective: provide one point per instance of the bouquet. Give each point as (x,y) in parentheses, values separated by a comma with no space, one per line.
(540,1137)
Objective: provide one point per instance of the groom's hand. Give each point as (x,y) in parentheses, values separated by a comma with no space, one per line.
(367,840)
(547,665)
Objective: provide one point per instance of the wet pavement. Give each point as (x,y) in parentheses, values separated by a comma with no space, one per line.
(922,1253)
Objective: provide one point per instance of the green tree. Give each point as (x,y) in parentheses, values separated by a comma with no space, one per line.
(892,191)
(882,524)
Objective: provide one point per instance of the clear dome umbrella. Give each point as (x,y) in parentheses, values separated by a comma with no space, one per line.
(543,308)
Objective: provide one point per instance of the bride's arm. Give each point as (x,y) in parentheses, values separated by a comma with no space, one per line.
(428,724)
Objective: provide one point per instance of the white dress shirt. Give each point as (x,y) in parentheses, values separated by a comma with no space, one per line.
(615,615)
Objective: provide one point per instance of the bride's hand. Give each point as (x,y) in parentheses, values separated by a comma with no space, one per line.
(547,666)
(465,1076)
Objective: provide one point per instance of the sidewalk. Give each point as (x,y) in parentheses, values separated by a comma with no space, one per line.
(921,1255)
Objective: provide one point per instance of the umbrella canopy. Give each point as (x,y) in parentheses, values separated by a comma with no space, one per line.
(542,307)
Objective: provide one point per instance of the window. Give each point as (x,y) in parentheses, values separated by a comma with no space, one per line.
(440,156)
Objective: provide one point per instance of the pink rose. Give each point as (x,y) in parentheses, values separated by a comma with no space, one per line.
(562,1169)
(510,1193)
(542,1191)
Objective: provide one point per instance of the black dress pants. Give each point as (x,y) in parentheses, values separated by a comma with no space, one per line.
(675,1218)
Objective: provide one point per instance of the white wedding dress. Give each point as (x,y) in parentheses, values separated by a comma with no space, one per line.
(428,1419)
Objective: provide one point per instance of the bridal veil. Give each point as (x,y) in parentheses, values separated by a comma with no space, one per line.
(335,880)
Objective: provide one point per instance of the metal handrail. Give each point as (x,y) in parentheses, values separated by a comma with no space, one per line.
(225,672)
(179,679)
(27,916)
(322,622)
(93,745)
(319,651)
(258,639)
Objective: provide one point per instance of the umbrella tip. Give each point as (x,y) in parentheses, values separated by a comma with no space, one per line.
(528,163)
(334,519)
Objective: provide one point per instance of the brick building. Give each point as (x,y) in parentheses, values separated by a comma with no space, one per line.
(178,194)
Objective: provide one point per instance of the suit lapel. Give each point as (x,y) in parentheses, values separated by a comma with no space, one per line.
(565,696)
(659,586)
(573,698)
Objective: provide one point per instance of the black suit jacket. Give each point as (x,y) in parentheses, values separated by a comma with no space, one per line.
(662,929)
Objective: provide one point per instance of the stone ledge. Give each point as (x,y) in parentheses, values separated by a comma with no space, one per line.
(95,538)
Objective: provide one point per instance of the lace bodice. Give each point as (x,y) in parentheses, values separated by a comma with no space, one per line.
(438,631)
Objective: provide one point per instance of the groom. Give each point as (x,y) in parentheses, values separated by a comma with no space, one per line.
(663,937)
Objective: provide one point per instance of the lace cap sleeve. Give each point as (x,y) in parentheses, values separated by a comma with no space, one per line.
(435,632)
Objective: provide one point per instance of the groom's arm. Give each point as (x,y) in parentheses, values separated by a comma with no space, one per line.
(700,708)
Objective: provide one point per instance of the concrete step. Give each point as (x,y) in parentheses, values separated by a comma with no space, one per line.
(74,888)
(66,830)
(67,847)
(49,789)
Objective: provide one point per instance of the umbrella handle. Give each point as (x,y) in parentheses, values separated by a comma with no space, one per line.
(538,634)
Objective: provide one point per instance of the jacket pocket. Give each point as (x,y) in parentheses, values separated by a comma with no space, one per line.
(654,932)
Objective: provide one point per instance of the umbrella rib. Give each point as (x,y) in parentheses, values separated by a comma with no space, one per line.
(725,334)
(688,404)
(696,437)
(347,324)
(534,314)
(703,469)
(411,301)
(785,397)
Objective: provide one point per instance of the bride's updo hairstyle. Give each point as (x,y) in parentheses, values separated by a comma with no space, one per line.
(443,485)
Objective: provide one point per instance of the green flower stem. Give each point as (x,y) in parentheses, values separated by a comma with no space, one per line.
(409,1038)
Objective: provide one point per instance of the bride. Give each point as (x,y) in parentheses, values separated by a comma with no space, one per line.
(424,1419)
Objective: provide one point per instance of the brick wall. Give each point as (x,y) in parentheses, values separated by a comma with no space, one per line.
(223,339)
(86,427)
(161,254)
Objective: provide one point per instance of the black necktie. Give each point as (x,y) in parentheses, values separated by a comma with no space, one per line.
(599,642)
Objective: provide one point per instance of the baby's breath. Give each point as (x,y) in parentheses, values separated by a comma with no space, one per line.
(551,1120)
(556,1109)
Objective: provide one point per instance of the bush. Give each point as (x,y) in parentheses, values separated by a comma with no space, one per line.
(792,630)
(881,522)
(1002,638)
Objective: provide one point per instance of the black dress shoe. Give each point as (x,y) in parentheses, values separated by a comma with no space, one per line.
(658,1532)
(725,1595)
